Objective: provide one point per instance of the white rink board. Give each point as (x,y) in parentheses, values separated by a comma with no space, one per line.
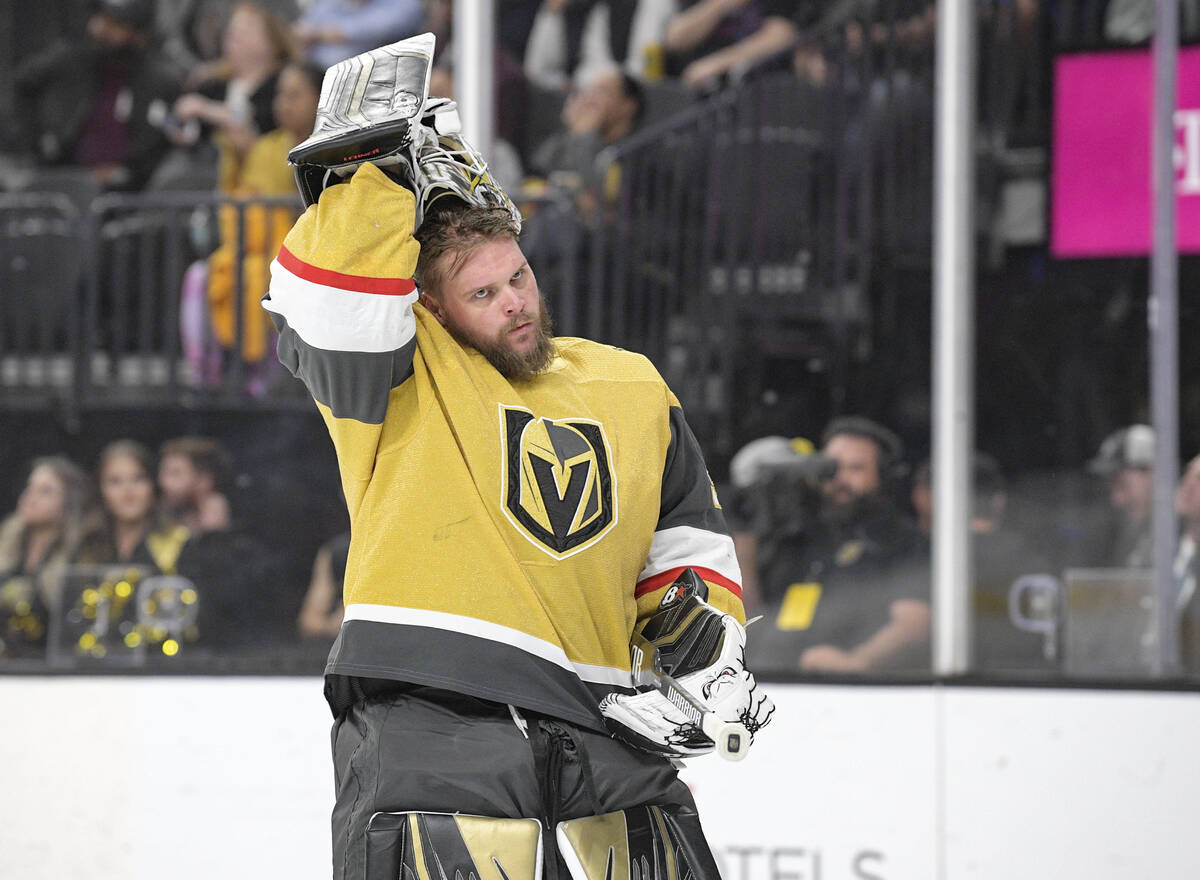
(194,778)
(840,786)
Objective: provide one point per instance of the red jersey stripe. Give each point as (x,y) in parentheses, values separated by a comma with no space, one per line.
(329,278)
(652,583)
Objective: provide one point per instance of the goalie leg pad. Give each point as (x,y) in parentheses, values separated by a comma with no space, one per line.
(642,843)
(434,846)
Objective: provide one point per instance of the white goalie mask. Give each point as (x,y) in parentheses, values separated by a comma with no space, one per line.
(444,163)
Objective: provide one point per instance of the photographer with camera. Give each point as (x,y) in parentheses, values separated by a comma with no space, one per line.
(839,571)
(95,104)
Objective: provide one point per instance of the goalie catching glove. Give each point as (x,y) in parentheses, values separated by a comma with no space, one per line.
(375,108)
(701,650)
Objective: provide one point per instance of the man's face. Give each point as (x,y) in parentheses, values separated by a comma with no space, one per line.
(1131,491)
(1187,496)
(178,480)
(492,304)
(856,482)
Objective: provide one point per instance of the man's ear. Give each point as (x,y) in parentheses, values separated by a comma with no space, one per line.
(434,307)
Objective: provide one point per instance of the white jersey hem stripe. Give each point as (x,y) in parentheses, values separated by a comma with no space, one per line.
(606,675)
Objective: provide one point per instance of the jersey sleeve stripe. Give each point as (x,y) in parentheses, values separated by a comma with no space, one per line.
(336,319)
(650,584)
(343,281)
(680,547)
(352,384)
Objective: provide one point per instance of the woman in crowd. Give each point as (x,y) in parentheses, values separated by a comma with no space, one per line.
(231,100)
(36,543)
(209,325)
(129,528)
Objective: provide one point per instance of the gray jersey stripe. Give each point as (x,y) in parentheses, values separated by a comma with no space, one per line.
(353,384)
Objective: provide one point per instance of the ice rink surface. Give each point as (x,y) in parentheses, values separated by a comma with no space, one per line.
(136,778)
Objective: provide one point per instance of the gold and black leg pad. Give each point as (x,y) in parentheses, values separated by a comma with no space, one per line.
(643,843)
(445,846)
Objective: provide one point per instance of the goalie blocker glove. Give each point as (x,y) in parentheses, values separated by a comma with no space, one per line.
(704,651)
(375,108)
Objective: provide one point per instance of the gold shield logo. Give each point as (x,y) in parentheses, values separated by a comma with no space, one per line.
(559,485)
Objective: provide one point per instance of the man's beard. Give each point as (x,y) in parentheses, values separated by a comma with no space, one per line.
(845,513)
(512,364)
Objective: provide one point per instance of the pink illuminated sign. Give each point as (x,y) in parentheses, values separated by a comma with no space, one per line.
(1101,202)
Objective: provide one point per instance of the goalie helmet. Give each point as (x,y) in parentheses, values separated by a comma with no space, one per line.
(445,164)
(374,108)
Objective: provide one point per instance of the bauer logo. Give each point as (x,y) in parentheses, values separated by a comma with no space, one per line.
(559,483)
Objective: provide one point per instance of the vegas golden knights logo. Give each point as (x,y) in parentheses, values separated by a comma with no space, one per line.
(559,485)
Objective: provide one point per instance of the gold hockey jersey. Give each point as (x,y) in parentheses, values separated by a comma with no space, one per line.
(506,535)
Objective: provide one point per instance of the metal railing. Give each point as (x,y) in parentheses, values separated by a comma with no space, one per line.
(151,257)
(41,263)
(111,306)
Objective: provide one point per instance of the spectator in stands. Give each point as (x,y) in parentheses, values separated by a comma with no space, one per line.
(601,114)
(100,103)
(36,542)
(1132,21)
(844,583)
(322,610)
(504,163)
(1187,565)
(236,576)
(329,31)
(231,100)
(1126,461)
(1000,556)
(702,27)
(193,476)
(129,526)
(208,314)
(514,22)
(573,40)
(191,34)
(782,22)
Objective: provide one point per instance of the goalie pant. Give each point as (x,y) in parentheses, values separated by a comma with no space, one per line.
(418,748)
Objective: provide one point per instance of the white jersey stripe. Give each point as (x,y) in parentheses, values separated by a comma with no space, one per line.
(472,626)
(689,546)
(333,319)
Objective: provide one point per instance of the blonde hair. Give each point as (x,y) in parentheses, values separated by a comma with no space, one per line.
(77,499)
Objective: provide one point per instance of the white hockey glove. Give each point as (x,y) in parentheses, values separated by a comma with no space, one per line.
(375,107)
(368,108)
(689,646)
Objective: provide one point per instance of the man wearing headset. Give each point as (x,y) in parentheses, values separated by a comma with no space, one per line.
(531,523)
(843,583)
